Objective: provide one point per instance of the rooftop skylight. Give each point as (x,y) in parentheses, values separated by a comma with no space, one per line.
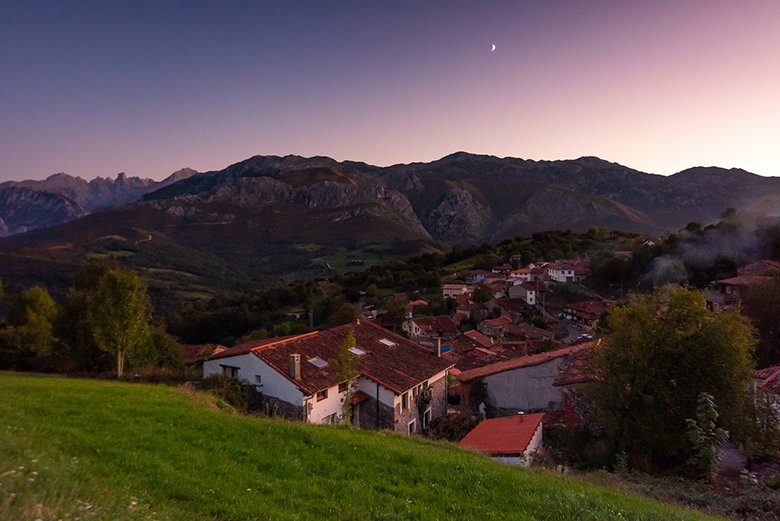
(357,351)
(318,362)
(388,343)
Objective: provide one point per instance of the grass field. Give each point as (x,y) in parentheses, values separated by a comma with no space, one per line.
(76,449)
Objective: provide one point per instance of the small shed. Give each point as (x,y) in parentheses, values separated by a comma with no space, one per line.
(511,439)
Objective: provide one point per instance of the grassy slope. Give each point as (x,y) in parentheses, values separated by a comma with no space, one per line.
(91,449)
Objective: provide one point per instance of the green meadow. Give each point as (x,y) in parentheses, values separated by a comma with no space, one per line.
(81,449)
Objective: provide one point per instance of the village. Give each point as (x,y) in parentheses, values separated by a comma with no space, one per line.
(516,352)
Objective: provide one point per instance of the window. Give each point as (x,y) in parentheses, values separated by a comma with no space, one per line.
(232,372)
(343,387)
(404,401)
(412,427)
(258,380)
(322,395)
(330,419)
(426,419)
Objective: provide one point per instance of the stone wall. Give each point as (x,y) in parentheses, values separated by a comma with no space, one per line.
(274,407)
(367,414)
(438,407)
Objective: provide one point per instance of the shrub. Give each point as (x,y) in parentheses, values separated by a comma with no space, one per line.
(226,388)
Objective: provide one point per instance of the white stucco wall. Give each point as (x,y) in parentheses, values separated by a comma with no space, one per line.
(526,388)
(330,405)
(386,396)
(273,383)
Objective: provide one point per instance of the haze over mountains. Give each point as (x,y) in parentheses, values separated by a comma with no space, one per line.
(30,205)
(271,216)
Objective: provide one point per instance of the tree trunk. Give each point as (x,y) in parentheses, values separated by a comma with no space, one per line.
(120,362)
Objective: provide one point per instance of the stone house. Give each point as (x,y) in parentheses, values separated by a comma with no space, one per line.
(297,377)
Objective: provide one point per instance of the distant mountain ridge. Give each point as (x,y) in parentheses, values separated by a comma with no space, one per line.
(271,218)
(35,204)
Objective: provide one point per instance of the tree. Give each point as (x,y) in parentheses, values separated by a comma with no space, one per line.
(346,367)
(118,315)
(661,352)
(28,342)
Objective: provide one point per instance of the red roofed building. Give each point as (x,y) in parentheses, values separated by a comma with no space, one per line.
(194,353)
(586,313)
(296,375)
(511,439)
(768,380)
(524,383)
(495,326)
(425,329)
(761,267)
(728,293)
(482,340)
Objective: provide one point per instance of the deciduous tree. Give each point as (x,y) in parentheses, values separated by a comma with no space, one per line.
(662,351)
(118,315)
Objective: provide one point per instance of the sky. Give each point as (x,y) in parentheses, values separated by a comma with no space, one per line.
(93,88)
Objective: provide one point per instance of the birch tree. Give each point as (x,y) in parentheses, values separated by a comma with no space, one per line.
(118,315)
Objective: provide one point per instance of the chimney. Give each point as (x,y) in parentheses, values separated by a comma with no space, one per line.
(437,345)
(295,366)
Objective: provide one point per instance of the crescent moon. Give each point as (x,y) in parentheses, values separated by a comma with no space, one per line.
(492,47)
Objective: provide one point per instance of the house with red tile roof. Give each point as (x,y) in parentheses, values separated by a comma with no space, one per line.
(298,376)
(520,275)
(511,439)
(453,290)
(494,327)
(586,313)
(577,373)
(768,380)
(196,353)
(424,329)
(728,293)
(766,267)
(525,291)
(482,340)
(524,383)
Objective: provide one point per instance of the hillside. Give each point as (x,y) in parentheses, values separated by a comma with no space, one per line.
(104,450)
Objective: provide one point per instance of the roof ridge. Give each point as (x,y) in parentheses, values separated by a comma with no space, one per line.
(284,341)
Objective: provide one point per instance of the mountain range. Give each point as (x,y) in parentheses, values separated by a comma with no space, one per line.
(270,217)
(30,205)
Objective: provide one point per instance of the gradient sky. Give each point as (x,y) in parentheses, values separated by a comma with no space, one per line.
(93,88)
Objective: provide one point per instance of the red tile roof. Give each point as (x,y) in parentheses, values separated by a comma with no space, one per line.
(522,361)
(528,331)
(745,280)
(246,347)
(770,377)
(590,307)
(498,436)
(578,369)
(760,267)
(500,321)
(398,367)
(194,352)
(476,336)
(435,325)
